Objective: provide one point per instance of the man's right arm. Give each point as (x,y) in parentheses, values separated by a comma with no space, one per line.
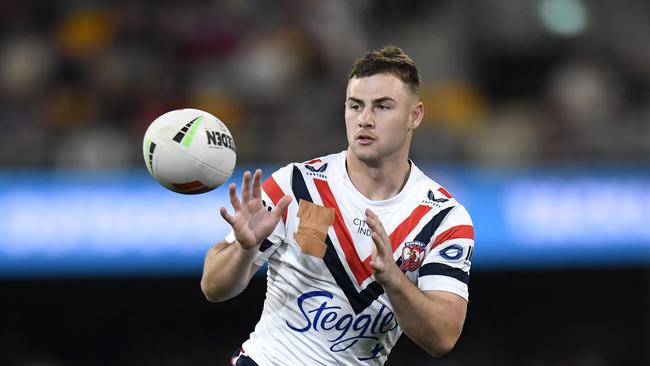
(227,270)
(229,267)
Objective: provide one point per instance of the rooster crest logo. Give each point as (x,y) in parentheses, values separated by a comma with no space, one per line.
(412,256)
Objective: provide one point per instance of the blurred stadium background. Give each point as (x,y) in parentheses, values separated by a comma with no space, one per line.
(537,118)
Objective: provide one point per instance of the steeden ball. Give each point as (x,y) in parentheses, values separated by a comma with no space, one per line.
(189,151)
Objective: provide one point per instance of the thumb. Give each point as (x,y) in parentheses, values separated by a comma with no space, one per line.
(282,205)
(374,259)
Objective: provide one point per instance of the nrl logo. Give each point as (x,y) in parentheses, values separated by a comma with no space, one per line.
(412,256)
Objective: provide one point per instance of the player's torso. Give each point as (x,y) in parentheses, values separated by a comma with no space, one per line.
(320,282)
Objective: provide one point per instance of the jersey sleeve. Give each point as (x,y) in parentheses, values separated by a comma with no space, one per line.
(273,189)
(446,266)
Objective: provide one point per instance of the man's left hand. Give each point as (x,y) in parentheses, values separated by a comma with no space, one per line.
(382,262)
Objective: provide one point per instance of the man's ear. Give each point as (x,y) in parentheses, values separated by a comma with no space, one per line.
(417,114)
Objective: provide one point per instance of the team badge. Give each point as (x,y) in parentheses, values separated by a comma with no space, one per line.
(412,256)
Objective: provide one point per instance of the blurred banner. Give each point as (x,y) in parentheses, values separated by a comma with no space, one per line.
(55,224)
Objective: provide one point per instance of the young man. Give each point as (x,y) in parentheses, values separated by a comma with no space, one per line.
(361,245)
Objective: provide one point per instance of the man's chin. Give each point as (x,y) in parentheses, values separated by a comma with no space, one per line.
(366,156)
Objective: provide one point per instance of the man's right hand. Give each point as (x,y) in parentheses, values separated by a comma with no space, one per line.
(252,222)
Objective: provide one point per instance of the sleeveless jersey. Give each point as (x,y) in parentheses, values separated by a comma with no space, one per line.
(323,306)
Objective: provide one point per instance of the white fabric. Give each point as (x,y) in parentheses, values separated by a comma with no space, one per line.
(307,317)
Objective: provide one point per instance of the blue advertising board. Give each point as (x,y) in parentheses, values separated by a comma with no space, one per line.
(98,224)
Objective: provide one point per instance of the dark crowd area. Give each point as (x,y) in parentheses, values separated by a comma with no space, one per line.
(504,82)
(595,317)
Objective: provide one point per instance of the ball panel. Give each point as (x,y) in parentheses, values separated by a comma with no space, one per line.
(149,148)
(194,187)
(211,142)
(189,151)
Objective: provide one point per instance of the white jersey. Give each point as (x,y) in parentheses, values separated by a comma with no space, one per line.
(323,306)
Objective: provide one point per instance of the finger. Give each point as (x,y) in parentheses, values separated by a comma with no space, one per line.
(282,205)
(380,245)
(226,216)
(373,258)
(257,184)
(246,187)
(234,200)
(375,225)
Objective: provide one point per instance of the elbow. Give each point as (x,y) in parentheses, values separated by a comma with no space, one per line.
(211,293)
(442,347)
(441,350)
(211,298)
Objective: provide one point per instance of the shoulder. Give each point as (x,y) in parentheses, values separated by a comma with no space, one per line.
(434,193)
(318,167)
(321,162)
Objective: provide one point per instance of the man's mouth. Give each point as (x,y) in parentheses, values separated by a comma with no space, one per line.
(365,139)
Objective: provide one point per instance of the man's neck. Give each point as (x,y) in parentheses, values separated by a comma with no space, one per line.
(379,182)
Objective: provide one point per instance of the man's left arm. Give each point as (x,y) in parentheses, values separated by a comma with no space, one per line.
(432,319)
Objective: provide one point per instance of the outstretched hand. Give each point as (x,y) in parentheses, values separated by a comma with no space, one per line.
(382,262)
(252,222)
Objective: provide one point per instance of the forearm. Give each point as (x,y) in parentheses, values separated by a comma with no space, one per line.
(433,322)
(227,270)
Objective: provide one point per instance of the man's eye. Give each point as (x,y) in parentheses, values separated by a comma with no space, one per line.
(354,107)
(384,106)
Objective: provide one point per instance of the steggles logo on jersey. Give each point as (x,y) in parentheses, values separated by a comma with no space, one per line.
(348,329)
(412,256)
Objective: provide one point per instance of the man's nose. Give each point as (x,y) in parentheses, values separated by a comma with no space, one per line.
(366,119)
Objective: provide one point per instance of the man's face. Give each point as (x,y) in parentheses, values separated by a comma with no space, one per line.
(380,112)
